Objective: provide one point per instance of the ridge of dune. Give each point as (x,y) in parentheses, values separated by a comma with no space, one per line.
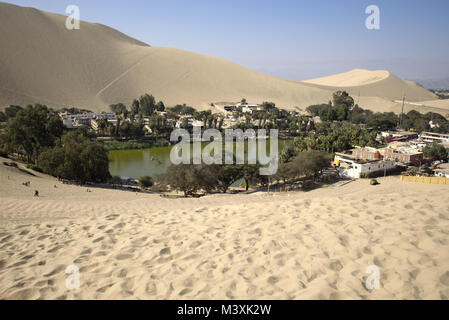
(355,77)
(380,88)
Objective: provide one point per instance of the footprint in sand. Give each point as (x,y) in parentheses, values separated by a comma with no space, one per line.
(123,273)
(123,256)
(81,259)
(444,279)
(273,280)
(55,271)
(196,244)
(336,265)
(151,289)
(98,239)
(112,217)
(164,251)
(105,288)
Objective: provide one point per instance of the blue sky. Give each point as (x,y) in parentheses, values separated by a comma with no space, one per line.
(295,39)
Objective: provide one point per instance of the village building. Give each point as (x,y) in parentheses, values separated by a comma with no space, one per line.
(405,153)
(367,153)
(84,119)
(442,170)
(430,137)
(351,167)
(393,136)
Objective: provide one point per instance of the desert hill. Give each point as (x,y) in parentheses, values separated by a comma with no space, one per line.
(41,61)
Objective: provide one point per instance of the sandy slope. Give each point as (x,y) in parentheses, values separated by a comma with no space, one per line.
(379,83)
(356,77)
(298,246)
(41,61)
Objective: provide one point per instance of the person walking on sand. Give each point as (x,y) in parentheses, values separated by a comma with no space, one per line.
(36,193)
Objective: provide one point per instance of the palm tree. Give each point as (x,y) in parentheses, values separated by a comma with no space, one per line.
(118,109)
(102,125)
(220,123)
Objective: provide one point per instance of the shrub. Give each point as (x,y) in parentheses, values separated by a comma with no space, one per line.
(146,182)
(115,180)
(34,167)
(11,164)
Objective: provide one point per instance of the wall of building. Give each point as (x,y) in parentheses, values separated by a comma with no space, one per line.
(414,159)
(366,154)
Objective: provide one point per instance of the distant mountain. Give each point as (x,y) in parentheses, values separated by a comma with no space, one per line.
(442,83)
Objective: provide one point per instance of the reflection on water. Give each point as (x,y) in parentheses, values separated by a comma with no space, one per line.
(148,162)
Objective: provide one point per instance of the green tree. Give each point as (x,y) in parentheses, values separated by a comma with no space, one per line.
(342,98)
(160,106)
(147,104)
(250,173)
(310,163)
(435,151)
(135,107)
(183,178)
(31,130)
(11,111)
(76,158)
(3,117)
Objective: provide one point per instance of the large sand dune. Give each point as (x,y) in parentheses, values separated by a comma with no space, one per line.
(301,245)
(377,90)
(42,61)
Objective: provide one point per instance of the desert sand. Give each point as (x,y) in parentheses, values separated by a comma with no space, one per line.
(43,62)
(298,245)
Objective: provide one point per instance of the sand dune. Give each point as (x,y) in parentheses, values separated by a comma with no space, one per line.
(289,246)
(381,84)
(42,61)
(356,77)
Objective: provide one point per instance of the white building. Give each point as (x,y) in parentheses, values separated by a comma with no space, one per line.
(434,137)
(442,170)
(76,120)
(350,167)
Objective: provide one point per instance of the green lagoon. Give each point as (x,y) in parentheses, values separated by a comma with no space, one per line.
(149,162)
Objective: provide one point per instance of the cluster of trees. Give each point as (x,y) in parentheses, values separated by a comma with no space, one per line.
(436,151)
(419,122)
(342,108)
(191,179)
(181,110)
(337,110)
(75,157)
(9,113)
(37,135)
(335,137)
(145,106)
(306,163)
(31,130)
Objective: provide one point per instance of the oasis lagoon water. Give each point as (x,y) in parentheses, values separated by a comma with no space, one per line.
(148,162)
